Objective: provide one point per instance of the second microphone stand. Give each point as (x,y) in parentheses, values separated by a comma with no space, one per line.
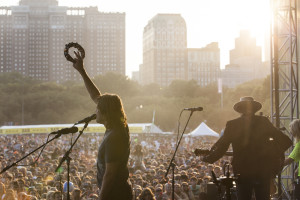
(172,164)
(57,135)
(68,159)
(226,181)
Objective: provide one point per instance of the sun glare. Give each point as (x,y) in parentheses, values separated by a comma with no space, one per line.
(243,15)
(207,21)
(256,19)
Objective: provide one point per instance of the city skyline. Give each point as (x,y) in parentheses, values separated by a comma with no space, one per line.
(32,35)
(207,21)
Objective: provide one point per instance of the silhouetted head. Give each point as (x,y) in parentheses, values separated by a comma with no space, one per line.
(295,128)
(138,147)
(247,105)
(110,111)
(147,194)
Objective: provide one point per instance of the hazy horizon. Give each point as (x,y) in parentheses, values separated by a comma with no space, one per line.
(207,21)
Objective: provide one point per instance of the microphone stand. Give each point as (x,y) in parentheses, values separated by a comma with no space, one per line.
(15,163)
(68,159)
(173,157)
(218,184)
(226,181)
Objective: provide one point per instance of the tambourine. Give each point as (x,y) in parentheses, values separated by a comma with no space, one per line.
(75,45)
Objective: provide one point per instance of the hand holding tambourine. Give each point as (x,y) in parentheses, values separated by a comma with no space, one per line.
(77,46)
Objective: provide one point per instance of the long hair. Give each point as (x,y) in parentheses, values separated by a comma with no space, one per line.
(110,105)
(295,128)
(145,192)
(2,190)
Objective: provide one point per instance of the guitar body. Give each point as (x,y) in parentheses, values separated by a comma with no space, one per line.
(203,152)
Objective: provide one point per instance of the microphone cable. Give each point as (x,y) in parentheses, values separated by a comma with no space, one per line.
(38,157)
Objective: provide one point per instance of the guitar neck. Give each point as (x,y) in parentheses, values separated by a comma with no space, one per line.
(229,153)
(201,152)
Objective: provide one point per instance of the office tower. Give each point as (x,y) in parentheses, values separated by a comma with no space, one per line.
(204,64)
(34,33)
(245,62)
(135,76)
(164,50)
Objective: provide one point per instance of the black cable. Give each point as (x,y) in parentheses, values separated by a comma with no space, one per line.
(38,157)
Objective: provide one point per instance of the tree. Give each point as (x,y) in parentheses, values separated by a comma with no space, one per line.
(48,103)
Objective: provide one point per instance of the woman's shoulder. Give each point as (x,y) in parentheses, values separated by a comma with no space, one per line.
(117,133)
(118,130)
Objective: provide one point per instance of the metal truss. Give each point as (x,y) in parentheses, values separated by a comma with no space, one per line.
(284,78)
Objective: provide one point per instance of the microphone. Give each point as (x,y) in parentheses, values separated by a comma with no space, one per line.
(194,109)
(64,131)
(215,180)
(87,119)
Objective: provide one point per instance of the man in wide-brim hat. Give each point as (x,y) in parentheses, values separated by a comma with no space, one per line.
(249,135)
(247,105)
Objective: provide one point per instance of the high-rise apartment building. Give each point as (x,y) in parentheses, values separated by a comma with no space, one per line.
(164,50)
(245,62)
(204,64)
(34,33)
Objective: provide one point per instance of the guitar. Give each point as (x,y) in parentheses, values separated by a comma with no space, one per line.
(203,152)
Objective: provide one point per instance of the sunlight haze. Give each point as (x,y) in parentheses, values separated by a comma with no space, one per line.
(207,21)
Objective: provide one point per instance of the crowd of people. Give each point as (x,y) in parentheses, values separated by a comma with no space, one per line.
(36,177)
(102,167)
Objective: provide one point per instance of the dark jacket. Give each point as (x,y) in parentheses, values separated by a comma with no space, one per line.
(254,141)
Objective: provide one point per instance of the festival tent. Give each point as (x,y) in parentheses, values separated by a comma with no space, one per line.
(147,128)
(203,130)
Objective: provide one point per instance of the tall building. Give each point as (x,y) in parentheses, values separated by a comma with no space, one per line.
(34,33)
(164,50)
(204,64)
(245,62)
(135,75)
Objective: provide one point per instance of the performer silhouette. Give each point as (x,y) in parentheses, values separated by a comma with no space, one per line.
(254,140)
(114,150)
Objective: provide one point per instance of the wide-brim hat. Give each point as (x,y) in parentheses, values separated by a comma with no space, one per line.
(247,104)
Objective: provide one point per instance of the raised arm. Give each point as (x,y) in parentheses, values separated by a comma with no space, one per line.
(89,84)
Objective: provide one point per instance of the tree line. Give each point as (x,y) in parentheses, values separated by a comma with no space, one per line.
(31,102)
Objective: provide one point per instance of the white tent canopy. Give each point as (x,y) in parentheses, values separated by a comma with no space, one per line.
(203,130)
(147,128)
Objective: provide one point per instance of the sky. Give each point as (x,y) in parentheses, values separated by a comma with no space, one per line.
(207,21)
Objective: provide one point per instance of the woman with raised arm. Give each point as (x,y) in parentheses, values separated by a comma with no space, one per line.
(114,150)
